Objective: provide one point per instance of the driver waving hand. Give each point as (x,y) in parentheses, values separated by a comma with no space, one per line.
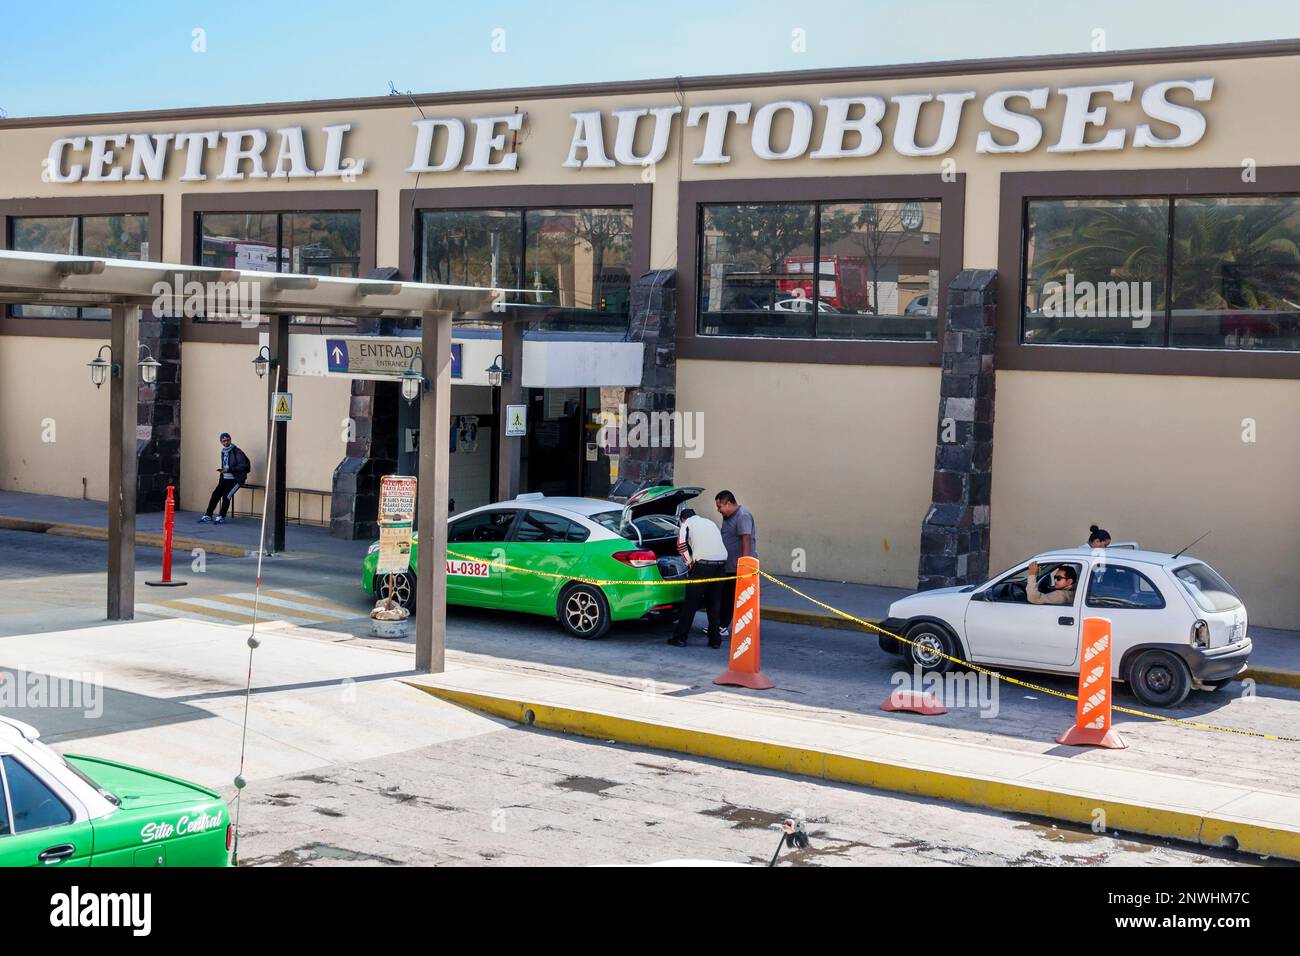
(1064,579)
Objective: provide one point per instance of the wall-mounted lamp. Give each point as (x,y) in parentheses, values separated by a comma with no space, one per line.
(414,382)
(101,368)
(149,366)
(496,374)
(264,362)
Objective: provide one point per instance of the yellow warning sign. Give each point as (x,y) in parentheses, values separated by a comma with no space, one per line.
(282,407)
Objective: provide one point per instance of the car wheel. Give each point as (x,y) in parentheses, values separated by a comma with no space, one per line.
(403,589)
(889,644)
(929,643)
(1160,679)
(584,612)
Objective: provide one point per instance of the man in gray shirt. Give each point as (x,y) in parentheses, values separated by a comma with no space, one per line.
(740,537)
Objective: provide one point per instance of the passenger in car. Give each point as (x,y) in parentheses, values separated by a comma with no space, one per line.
(1064,580)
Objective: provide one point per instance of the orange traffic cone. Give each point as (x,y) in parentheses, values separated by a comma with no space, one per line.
(745,669)
(1092,715)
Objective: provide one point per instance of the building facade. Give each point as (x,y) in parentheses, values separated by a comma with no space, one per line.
(997,300)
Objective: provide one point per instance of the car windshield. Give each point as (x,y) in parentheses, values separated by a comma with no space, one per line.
(1205,586)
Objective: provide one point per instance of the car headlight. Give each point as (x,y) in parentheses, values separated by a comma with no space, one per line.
(372,549)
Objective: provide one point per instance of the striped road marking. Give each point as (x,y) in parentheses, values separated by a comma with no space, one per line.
(296,607)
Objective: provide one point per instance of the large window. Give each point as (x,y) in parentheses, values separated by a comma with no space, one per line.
(575,262)
(1172,271)
(109,237)
(306,243)
(833,270)
(310,243)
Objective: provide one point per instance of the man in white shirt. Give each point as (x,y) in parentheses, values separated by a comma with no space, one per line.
(700,542)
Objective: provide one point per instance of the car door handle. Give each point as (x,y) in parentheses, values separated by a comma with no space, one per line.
(57,854)
(1066,621)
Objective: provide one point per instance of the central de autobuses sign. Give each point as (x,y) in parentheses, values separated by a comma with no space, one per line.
(853,126)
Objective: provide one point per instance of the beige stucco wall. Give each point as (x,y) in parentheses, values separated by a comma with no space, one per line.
(219,392)
(1159,460)
(45,393)
(832,459)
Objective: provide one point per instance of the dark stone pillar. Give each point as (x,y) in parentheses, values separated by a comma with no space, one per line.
(955,532)
(371,454)
(158,414)
(653,320)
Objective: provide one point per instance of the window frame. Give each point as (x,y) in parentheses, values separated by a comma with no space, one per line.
(514,512)
(415,202)
(1018,189)
(923,187)
(523,516)
(1102,566)
(150,206)
(53,791)
(522,213)
(362,201)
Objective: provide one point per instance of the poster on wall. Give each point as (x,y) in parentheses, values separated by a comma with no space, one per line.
(396,523)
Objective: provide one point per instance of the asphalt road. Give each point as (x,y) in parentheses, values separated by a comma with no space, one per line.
(521,797)
(840,673)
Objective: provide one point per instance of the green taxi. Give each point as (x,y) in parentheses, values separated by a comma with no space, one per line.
(554,549)
(84,811)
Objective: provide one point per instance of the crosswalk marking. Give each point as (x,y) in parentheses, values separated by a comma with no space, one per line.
(310,600)
(296,607)
(270,607)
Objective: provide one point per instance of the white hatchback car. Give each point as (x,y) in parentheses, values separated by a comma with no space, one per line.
(1176,624)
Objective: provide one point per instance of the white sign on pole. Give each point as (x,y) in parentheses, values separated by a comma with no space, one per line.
(282,407)
(516,421)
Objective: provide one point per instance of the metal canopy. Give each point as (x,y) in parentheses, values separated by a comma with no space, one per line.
(37,278)
(131,288)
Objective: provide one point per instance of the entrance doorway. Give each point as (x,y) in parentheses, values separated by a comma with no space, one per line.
(562,454)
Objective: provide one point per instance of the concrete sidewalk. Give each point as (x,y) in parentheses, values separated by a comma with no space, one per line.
(1048,783)
(169,695)
(235,537)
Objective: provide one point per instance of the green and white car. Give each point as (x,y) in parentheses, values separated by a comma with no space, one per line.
(572,541)
(84,811)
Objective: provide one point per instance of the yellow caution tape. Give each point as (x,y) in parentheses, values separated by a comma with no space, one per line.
(1025,684)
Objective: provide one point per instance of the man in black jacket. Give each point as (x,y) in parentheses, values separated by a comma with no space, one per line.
(234,472)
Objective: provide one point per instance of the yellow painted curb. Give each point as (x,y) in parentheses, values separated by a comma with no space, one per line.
(1271,675)
(939,785)
(148,539)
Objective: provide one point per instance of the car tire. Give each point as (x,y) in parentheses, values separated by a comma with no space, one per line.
(583,611)
(889,644)
(1160,679)
(930,637)
(403,589)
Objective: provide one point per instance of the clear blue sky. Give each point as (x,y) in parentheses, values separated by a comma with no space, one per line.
(79,57)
